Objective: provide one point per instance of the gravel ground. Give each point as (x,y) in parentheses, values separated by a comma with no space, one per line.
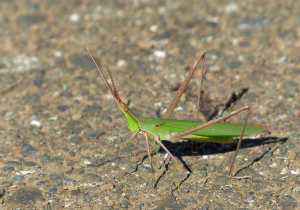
(63,139)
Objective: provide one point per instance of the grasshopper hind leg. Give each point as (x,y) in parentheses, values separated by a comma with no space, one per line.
(238,147)
(156,139)
(150,159)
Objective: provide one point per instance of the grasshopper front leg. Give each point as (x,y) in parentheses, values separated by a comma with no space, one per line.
(128,142)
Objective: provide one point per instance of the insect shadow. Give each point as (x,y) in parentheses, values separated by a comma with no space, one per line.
(185,148)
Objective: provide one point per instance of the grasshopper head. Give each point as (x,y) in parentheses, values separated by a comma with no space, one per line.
(130,116)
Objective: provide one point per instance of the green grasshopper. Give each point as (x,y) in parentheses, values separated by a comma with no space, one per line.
(160,129)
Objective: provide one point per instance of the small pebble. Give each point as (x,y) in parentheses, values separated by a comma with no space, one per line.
(8,114)
(256,181)
(74,18)
(76,116)
(228,191)
(296,112)
(92,108)
(75,192)
(14,163)
(53,190)
(175,192)
(2,192)
(8,168)
(75,139)
(21,183)
(16,177)
(153,28)
(145,45)
(232,7)
(56,94)
(6,184)
(172,199)
(94,133)
(160,54)
(184,190)
(286,205)
(37,81)
(87,162)
(133,192)
(33,117)
(115,197)
(212,168)
(282,59)
(250,197)
(40,183)
(36,123)
(122,64)
(80,196)
(87,199)
(106,118)
(94,176)
(26,148)
(288,197)
(275,104)
(62,108)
